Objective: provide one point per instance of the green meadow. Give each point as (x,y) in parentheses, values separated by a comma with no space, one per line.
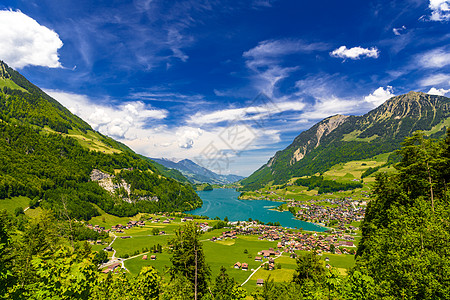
(10,204)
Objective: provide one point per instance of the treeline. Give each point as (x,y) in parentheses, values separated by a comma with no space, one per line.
(57,170)
(326,186)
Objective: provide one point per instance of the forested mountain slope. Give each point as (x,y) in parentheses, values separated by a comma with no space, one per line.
(48,154)
(341,138)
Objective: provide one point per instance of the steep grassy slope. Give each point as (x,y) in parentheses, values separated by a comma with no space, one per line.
(340,139)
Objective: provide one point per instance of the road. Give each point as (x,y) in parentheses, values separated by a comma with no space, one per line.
(257,270)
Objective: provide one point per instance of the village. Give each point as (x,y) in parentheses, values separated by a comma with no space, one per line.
(336,212)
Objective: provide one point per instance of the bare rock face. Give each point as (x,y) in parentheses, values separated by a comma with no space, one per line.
(107,182)
(97,175)
(324,128)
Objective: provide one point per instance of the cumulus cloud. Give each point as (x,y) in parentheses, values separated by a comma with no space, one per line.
(398,31)
(438,92)
(435,79)
(188,136)
(122,121)
(25,42)
(440,10)
(437,58)
(379,96)
(355,52)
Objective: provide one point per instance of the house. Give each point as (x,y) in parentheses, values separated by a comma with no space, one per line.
(153,257)
(237,265)
(112,267)
(294,255)
(144,257)
(187,219)
(271,266)
(258,258)
(259,282)
(166,221)
(109,248)
(244,266)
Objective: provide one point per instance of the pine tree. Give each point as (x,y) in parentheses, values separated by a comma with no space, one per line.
(188,259)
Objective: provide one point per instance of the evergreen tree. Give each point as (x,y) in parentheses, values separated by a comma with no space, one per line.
(223,286)
(188,259)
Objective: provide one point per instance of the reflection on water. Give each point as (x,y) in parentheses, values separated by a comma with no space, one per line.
(225,203)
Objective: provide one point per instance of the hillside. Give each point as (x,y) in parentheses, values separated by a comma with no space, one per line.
(49,154)
(340,139)
(197,174)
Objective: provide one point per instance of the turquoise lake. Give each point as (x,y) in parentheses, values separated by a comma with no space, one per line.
(225,203)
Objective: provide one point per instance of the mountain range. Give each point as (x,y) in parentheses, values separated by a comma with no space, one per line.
(197,174)
(340,138)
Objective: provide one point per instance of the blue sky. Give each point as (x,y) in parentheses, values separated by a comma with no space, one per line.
(225,83)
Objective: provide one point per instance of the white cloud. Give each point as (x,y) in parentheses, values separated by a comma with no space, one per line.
(355,52)
(439,92)
(266,60)
(398,31)
(379,96)
(435,79)
(329,106)
(437,58)
(128,123)
(276,48)
(187,137)
(440,10)
(25,42)
(122,121)
(251,113)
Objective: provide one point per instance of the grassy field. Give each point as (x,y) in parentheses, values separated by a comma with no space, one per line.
(10,84)
(91,141)
(10,204)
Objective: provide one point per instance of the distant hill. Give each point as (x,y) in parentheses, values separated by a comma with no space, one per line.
(340,138)
(197,174)
(51,155)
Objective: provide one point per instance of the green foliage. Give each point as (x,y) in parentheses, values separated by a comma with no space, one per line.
(188,259)
(226,288)
(146,285)
(405,232)
(100,257)
(6,250)
(309,267)
(326,186)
